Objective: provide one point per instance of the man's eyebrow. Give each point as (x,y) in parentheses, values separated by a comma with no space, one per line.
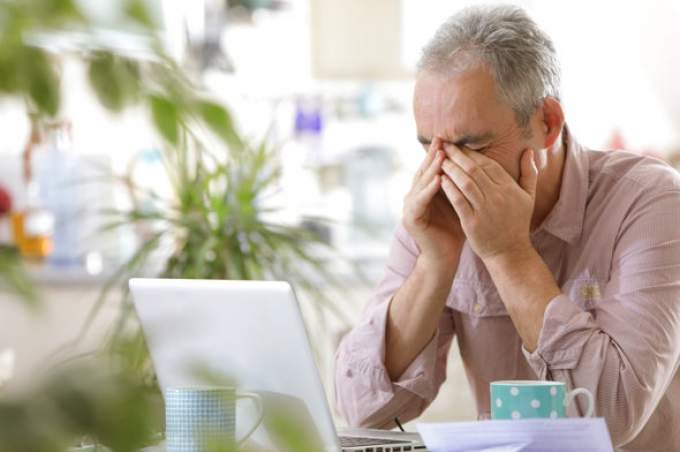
(424,141)
(473,139)
(464,140)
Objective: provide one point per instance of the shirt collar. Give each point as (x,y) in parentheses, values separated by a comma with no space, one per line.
(565,220)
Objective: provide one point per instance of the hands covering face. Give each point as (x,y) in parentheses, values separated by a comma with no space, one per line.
(495,211)
(429,217)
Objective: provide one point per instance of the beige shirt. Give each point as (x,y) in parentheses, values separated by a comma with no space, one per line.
(612,242)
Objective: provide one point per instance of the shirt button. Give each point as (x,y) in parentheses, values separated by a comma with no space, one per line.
(477,308)
(348,373)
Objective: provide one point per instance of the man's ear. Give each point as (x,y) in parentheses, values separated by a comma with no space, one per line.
(553,120)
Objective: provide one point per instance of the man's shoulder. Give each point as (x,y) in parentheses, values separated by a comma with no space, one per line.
(628,174)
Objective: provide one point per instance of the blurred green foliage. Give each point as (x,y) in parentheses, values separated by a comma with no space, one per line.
(87,399)
(13,276)
(215,220)
(27,71)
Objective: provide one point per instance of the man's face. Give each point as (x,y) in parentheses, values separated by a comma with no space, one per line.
(464,109)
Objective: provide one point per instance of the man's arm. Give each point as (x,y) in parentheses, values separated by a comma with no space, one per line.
(627,351)
(417,306)
(526,286)
(365,393)
(414,313)
(393,363)
(496,213)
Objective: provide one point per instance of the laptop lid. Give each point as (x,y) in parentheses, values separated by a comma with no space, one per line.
(249,331)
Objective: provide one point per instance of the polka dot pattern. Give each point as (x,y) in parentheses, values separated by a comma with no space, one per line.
(527,400)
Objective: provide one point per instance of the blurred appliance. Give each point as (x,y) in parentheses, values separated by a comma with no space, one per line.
(366,171)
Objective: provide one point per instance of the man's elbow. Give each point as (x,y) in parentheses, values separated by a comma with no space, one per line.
(623,434)
(382,416)
(348,411)
(629,419)
(365,411)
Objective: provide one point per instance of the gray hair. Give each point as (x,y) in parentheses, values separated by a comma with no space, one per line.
(509,44)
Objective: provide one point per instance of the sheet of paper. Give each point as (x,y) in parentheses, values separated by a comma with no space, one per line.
(526,435)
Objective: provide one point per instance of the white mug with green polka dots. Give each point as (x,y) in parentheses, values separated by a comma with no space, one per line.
(526,399)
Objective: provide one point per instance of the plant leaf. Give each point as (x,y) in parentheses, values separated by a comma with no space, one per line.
(115,80)
(137,11)
(13,276)
(166,117)
(218,119)
(42,83)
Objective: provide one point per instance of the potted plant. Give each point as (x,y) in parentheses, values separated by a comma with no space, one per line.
(216,222)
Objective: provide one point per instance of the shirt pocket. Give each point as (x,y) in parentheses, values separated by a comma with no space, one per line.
(475,298)
(585,290)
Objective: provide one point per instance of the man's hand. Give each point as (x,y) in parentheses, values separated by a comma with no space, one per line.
(417,306)
(428,217)
(495,213)
(494,210)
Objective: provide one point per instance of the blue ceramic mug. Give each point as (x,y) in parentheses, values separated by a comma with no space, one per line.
(199,418)
(525,399)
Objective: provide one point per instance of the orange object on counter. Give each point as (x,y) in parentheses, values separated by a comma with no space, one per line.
(32,233)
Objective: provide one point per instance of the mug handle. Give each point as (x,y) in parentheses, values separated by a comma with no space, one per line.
(258,403)
(589,396)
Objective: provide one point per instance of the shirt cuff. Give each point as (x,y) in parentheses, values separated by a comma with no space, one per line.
(369,359)
(562,338)
(418,377)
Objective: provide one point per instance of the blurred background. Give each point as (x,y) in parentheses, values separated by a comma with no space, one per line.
(327,84)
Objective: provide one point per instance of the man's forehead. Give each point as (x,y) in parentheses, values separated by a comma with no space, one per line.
(460,108)
(462,125)
(436,89)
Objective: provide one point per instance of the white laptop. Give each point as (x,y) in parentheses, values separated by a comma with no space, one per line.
(251,332)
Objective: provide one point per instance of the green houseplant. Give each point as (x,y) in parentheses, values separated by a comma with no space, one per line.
(215,221)
(216,224)
(215,218)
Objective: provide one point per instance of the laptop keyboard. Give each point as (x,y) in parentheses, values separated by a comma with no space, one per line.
(383,444)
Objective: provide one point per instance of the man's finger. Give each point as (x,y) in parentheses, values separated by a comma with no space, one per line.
(423,165)
(429,156)
(492,168)
(464,183)
(434,169)
(529,176)
(456,198)
(423,198)
(427,161)
(471,166)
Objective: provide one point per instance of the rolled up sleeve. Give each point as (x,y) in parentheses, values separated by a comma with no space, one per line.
(365,394)
(626,349)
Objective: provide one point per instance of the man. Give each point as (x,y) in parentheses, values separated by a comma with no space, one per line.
(544,259)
